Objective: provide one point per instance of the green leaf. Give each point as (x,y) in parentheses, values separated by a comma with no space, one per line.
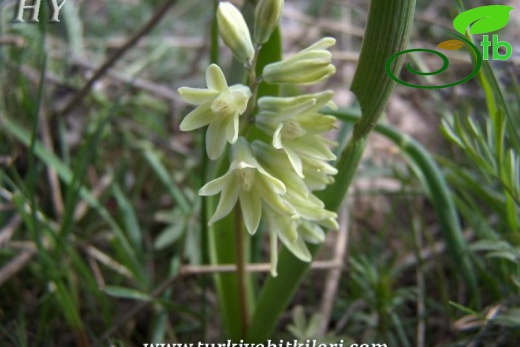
(126,293)
(66,175)
(129,217)
(162,173)
(465,309)
(483,19)
(169,236)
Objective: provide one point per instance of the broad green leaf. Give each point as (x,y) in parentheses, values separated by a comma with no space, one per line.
(483,19)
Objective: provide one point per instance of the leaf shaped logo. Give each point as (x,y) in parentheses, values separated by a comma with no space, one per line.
(451,45)
(483,19)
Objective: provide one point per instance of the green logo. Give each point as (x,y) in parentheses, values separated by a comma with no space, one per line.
(480,20)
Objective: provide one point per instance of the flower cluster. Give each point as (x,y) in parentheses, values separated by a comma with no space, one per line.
(273,176)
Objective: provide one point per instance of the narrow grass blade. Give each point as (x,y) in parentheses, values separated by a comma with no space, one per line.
(65,173)
(129,216)
(126,293)
(162,173)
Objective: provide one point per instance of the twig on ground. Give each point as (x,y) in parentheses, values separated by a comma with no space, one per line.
(203,269)
(334,275)
(15,265)
(429,252)
(54,182)
(83,206)
(13,40)
(7,231)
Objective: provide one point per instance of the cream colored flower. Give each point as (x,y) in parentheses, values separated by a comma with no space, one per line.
(296,124)
(247,182)
(286,229)
(219,107)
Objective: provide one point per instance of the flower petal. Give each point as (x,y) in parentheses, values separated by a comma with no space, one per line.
(251,206)
(277,137)
(241,94)
(232,129)
(273,244)
(273,200)
(313,146)
(197,96)
(295,160)
(216,139)
(283,225)
(272,182)
(311,232)
(199,117)
(215,78)
(217,185)
(228,199)
(324,43)
(298,248)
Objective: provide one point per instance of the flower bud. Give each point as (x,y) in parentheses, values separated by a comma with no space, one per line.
(267,17)
(234,31)
(309,66)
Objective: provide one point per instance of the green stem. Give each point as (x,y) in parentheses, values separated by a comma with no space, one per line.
(240,260)
(254,83)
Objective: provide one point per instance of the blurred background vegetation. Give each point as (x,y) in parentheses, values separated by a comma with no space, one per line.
(100,240)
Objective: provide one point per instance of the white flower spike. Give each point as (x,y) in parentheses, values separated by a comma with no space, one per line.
(271,178)
(219,107)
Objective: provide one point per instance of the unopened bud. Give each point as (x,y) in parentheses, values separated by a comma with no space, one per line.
(267,17)
(234,31)
(309,66)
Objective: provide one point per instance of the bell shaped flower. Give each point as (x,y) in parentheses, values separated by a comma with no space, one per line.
(275,161)
(219,107)
(309,66)
(318,173)
(250,184)
(296,124)
(234,31)
(286,229)
(311,232)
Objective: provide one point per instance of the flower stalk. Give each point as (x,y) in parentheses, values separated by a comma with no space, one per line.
(241,261)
